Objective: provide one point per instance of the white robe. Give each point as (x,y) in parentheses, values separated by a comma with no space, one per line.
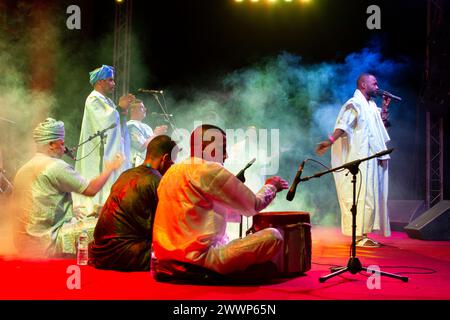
(42,205)
(100,113)
(365,135)
(190,219)
(139,133)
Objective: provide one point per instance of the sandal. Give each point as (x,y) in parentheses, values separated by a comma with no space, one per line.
(367,243)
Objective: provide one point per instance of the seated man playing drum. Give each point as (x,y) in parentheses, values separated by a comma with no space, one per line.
(194,198)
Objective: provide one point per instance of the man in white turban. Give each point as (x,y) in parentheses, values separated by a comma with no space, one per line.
(41,199)
(101,113)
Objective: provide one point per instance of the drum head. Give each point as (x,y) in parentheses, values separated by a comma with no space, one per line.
(279,219)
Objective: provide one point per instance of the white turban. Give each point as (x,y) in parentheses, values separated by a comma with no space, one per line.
(48,131)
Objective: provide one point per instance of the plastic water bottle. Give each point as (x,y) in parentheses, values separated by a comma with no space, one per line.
(82,248)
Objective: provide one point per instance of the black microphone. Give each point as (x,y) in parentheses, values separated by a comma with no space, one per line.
(380,92)
(382,153)
(112,126)
(150,91)
(240,175)
(69,153)
(291,192)
(162,114)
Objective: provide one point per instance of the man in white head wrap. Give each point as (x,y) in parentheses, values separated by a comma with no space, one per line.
(100,113)
(41,198)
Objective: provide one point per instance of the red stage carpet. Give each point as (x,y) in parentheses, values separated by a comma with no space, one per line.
(426,263)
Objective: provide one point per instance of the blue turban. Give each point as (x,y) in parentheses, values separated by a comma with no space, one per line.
(105,72)
(48,131)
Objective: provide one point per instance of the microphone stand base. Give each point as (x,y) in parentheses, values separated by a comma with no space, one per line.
(354,266)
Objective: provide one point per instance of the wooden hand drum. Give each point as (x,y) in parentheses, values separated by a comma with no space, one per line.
(295,227)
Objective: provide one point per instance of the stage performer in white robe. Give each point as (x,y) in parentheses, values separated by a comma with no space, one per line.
(360,131)
(101,113)
(140,133)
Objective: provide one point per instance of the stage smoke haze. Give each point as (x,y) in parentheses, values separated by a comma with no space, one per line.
(302,102)
(45,73)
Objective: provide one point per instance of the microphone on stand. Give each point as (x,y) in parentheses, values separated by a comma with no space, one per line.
(98,133)
(240,175)
(113,125)
(380,92)
(150,91)
(101,133)
(291,192)
(358,161)
(383,153)
(162,114)
(69,153)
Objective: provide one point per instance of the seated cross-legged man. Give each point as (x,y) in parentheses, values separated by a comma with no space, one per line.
(195,197)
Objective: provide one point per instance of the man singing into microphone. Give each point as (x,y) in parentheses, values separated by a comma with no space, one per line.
(41,200)
(140,133)
(100,113)
(360,132)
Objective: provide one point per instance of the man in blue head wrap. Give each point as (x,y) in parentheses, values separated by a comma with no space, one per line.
(100,113)
(102,73)
(41,198)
